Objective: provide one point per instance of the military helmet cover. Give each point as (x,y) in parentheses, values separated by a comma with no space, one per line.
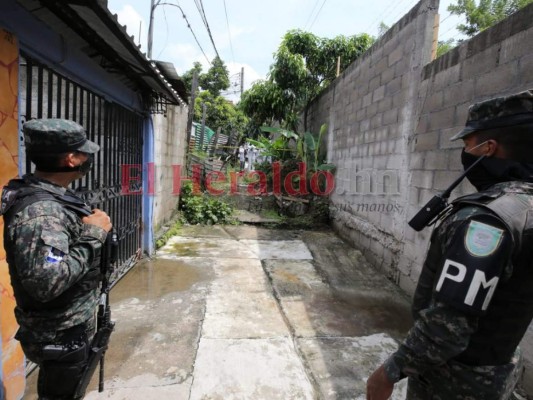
(57,136)
(499,112)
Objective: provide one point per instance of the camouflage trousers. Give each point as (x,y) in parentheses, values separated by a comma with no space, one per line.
(59,376)
(456,381)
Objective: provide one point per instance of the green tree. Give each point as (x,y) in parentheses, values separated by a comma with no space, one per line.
(445,46)
(186,77)
(216,79)
(220,113)
(303,66)
(487,13)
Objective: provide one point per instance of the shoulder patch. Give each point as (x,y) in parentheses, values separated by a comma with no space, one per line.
(482,240)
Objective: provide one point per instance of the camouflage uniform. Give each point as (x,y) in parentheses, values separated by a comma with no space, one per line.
(53,257)
(474,300)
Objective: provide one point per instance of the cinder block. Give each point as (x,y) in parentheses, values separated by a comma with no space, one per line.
(459,93)
(367,100)
(379,94)
(525,67)
(376,121)
(432,101)
(390,117)
(436,160)
(497,81)
(480,63)
(442,119)
(374,83)
(393,86)
(385,104)
(416,160)
(396,55)
(422,179)
(443,179)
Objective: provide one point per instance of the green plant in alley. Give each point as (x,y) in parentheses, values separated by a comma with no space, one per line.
(202,209)
(173,231)
(309,151)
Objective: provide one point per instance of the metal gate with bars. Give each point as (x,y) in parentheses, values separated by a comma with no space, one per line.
(46,94)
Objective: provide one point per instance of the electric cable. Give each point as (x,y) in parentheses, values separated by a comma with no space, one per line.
(189,26)
(201,10)
(317,14)
(310,15)
(229,32)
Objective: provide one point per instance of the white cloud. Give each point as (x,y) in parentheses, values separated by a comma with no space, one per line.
(184,55)
(128,16)
(250,76)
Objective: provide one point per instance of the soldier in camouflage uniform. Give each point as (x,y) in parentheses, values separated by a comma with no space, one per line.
(52,242)
(474,299)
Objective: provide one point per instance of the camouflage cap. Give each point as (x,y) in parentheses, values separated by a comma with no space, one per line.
(516,109)
(57,136)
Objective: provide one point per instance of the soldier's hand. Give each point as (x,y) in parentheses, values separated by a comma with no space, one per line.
(99,218)
(378,386)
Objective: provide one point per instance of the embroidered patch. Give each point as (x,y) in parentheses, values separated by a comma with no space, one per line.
(481,239)
(54,255)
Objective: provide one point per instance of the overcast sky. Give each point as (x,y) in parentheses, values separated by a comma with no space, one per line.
(253,29)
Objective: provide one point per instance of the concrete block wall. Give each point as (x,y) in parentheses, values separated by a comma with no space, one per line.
(390,116)
(170,148)
(371,111)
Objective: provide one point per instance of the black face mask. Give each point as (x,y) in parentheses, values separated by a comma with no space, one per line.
(87,165)
(83,168)
(491,171)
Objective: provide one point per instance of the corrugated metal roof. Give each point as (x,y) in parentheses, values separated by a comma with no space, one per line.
(91,27)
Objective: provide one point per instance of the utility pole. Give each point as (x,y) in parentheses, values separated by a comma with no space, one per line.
(242,79)
(153,5)
(202,135)
(190,117)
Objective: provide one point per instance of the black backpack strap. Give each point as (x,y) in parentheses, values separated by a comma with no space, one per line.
(39,195)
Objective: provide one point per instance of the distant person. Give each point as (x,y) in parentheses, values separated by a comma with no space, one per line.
(242,157)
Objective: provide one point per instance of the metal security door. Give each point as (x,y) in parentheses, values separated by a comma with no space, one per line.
(47,94)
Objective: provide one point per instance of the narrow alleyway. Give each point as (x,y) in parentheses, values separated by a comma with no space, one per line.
(249,313)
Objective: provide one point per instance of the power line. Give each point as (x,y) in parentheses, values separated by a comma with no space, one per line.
(201,10)
(189,26)
(317,14)
(229,32)
(311,14)
(379,17)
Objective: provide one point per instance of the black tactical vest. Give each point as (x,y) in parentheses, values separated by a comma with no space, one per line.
(18,195)
(511,310)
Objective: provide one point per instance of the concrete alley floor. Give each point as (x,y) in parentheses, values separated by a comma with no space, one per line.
(239,312)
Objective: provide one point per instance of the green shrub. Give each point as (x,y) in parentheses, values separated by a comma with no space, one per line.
(201,209)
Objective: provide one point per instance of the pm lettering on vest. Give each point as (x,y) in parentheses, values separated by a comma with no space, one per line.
(466,288)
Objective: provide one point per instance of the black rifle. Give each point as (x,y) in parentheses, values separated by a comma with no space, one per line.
(104,325)
(438,205)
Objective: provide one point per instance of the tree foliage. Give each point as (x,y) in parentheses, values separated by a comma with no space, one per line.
(187,76)
(216,79)
(445,46)
(303,66)
(220,113)
(487,13)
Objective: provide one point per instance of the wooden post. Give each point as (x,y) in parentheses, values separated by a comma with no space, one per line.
(435,45)
(338,66)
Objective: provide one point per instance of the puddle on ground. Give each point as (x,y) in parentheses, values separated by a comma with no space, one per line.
(152,279)
(361,314)
(191,249)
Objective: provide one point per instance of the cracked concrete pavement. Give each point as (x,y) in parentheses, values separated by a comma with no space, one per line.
(241,312)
